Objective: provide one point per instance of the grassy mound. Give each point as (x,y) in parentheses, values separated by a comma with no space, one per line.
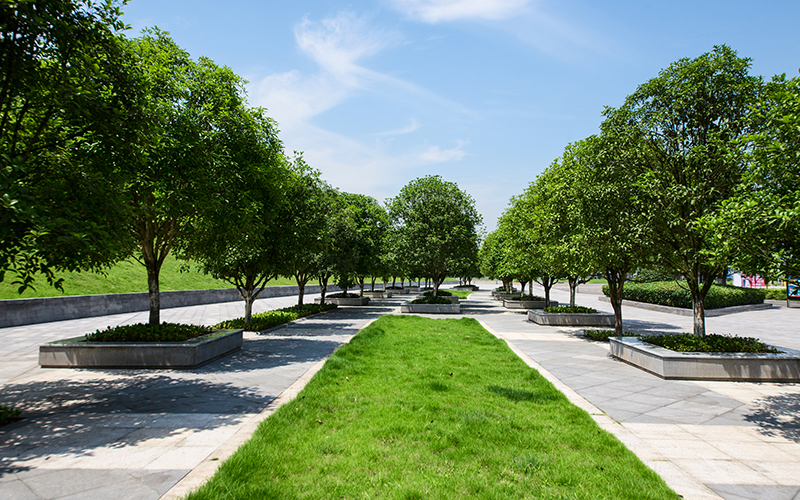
(418,408)
(270,319)
(674,294)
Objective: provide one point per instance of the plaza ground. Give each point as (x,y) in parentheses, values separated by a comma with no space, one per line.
(159,433)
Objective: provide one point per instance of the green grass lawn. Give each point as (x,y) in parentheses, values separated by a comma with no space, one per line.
(418,408)
(461,294)
(125,277)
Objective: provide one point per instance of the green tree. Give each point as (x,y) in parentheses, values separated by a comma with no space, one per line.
(435,222)
(237,235)
(183,150)
(371,223)
(688,122)
(612,228)
(68,94)
(308,208)
(759,227)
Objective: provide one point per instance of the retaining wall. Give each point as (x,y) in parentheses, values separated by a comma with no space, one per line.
(28,311)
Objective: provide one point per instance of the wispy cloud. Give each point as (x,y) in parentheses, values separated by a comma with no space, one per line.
(411,127)
(436,11)
(340,45)
(435,154)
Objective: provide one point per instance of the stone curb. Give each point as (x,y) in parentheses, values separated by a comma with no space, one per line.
(208,467)
(673,476)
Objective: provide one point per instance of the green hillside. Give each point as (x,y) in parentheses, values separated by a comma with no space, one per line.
(125,277)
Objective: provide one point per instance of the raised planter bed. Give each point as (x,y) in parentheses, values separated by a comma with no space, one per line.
(504,296)
(709,313)
(669,364)
(526,304)
(474,288)
(344,301)
(378,294)
(431,308)
(399,291)
(414,289)
(77,353)
(571,319)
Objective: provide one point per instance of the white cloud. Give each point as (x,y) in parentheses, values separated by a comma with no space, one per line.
(435,11)
(411,127)
(339,45)
(434,154)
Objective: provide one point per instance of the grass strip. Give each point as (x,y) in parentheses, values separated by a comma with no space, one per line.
(418,408)
(271,319)
(461,294)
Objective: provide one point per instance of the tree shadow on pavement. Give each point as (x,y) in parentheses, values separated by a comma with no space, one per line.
(777,416)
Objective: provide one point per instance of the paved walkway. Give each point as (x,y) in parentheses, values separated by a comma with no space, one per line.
(143,434)
(106,433)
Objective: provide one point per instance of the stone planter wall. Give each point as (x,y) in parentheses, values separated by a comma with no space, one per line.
(669,364)
(344,301)
(76,353)
(431,308)
(526,304)
(378,294)
(571,319)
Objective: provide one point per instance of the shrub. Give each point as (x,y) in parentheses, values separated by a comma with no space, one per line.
(343,295)
(652,276)
(775,294)
(674,294)
(8,414)
(603,335)
(430,300)
(527,297)
(145,332)
(442,293)
(688,342)
(569,309)
(270,319)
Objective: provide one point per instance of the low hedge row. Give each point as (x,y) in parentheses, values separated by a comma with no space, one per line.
(710,343)
(145,332)
(270,319)
(570,310)
(431,300)
(674,294)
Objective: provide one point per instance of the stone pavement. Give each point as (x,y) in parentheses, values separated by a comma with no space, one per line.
(118,433)
(141,434)
(731,440)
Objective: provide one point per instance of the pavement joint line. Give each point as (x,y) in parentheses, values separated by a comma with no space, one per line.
(208,467)
(678,480)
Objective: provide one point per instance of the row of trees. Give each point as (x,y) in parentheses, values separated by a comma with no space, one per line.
(115,147)
(697,171)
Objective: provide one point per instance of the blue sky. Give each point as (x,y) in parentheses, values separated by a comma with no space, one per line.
(484,93)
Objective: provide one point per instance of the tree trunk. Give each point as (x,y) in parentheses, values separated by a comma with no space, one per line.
(323,288)
(373,284)
(361,286)
(301,291)
(530,288)
(394,281)
(248,305)
(153,292)
(699,314)
(522,288)
(616,282)
(573,285)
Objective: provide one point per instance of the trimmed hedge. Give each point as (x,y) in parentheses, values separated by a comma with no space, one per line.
(442,293)
(145,332)
(570,309)
(603,335)
(270,319)
(431,300)
(527,297)
(674,294)
(688,342)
